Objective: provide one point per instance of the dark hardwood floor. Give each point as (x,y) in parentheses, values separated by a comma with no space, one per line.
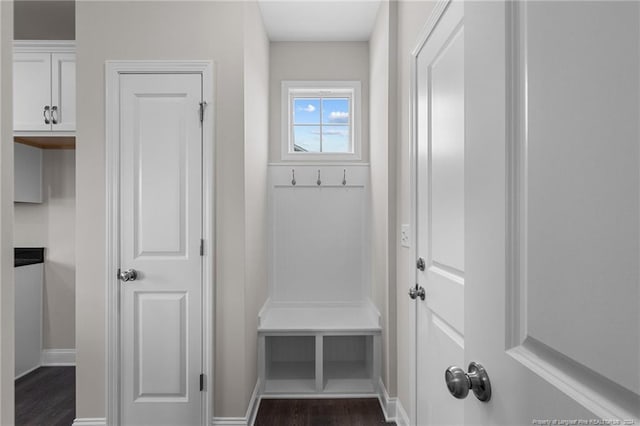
(46,397)
(320,412)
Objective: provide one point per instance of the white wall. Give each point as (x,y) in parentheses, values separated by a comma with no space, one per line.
(6,216)
(52,225)
(316,61)
(382,158)
(256,145)
(174,30)
(412,16)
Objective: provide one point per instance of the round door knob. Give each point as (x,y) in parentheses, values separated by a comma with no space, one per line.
(128,275)
(417,291)
(458,382)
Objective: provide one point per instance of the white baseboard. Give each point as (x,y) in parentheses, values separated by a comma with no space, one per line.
(229,421)
(249,418)
(27,372)
(58,357)
(391,407)
(402,419)
(95,421)
(387,403)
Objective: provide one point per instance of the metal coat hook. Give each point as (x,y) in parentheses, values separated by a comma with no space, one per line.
(344,177)
(293,177)
(319,182)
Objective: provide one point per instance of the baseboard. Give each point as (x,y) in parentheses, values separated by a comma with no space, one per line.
(387,403)
(249,418)
(391,407)
(95,421)
(229,421)
(58,357)
(401,415)
(27,372)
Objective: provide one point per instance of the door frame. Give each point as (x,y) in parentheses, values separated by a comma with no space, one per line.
(423,37)
(113,70)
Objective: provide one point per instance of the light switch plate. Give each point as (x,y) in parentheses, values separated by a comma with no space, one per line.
(405,241)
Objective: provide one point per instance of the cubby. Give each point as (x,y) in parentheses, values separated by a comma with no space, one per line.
(290,364)
(348,364)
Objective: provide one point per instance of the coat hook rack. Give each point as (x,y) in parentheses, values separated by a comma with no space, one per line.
(293,177)
(344,177)
(319,182)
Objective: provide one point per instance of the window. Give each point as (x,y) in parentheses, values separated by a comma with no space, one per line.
(320,120)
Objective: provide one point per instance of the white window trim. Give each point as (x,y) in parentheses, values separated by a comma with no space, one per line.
(291,87)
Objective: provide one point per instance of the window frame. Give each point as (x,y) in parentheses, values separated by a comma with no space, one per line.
(321,90)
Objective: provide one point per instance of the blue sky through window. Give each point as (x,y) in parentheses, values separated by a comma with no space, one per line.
(321,125)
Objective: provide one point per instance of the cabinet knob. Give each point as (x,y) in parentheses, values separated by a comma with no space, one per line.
(54,114)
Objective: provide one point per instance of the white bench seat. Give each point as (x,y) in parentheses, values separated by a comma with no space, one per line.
(357,318)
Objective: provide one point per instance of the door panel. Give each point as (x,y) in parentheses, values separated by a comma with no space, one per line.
(161,228)
(440,216)
(582,186)
(63,90)
(32,90)
(158,377)
(552,116)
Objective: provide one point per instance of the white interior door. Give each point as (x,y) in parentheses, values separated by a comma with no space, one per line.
(160,238)
(552,195)
(440,216)
(32,91)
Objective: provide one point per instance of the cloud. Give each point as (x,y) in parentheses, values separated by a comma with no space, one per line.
(331,132)
(339,116)
(308,108)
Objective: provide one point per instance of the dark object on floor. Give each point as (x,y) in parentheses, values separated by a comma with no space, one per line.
(47,397)
(320,412)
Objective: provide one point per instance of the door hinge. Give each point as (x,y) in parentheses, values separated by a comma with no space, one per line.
(201,247)
(201,382)
(203,105)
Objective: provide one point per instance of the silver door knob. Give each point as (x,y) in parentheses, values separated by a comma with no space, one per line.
(476,379)
(417,291)
(128,275)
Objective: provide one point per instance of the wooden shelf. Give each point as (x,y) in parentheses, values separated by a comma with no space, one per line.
(47,142)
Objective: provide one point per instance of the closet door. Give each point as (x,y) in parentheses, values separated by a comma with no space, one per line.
(32,92)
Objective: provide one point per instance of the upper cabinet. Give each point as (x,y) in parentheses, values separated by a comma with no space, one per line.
(44,88)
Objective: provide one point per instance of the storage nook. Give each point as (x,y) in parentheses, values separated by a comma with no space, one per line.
(319,332)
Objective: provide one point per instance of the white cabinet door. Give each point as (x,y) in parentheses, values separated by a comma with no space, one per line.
(552,226)
(63,92)
(31,91)
(28,317)
(160,232)
(27,174)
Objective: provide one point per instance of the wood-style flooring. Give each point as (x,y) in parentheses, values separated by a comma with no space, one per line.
(46,397)
(320,412)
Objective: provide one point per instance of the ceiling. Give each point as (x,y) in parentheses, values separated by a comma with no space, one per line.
(319,20)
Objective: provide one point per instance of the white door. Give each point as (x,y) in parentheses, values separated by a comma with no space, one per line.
(551,217)
(552,190)
(32,91)
(160,238)
(63,91)
(440,216)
